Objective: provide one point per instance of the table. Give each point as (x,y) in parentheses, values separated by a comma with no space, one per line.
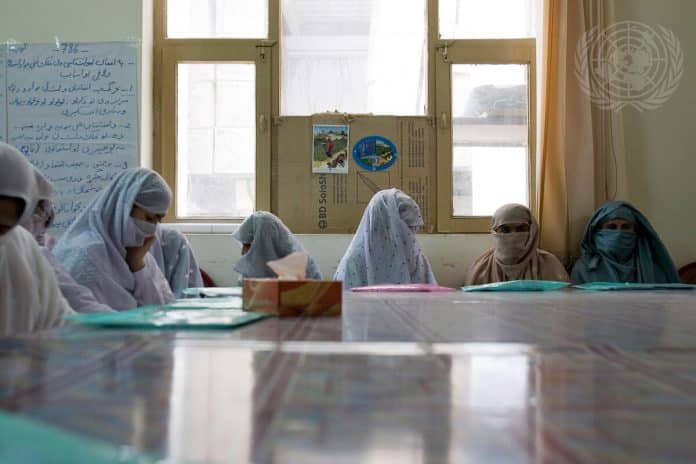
(555,377)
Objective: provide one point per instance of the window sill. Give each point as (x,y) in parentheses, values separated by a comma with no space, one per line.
(202,227)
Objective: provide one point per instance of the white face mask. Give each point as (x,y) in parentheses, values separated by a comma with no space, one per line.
(137,231)
(509,248)
(145,227)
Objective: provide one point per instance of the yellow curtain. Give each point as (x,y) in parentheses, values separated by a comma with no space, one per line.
(581,157)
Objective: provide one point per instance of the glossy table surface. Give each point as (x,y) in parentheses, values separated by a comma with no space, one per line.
(556,377)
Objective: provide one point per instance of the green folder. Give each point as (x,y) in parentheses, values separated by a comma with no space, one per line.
(159,317)
(606,286)
(24,440)
(518,286)
(234,302)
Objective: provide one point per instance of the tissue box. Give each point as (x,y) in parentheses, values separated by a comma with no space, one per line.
(312,298)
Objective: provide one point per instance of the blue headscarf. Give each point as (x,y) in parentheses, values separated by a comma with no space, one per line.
(176,260)
(270,240)
(93,249)
(619,256)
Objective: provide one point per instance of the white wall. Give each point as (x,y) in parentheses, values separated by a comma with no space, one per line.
(70,20)
(660,144)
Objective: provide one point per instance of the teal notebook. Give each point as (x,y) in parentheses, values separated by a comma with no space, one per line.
(159,317)
(211,292)
(518,286)
(23,440)
(606,286)
(206,303)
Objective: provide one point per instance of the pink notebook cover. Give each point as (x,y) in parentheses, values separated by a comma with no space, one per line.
(403,288)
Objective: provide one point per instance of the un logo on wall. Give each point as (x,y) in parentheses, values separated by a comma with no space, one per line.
(629,64)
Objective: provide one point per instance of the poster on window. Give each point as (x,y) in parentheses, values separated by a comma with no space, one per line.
(330,149)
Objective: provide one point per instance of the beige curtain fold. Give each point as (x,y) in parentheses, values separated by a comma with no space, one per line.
(581,159)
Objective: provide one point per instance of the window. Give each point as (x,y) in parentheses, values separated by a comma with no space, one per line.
(485,77)
(214,84)
(238,85)
(490,137)
(216,139)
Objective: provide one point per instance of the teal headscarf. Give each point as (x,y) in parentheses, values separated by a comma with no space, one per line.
(619,256)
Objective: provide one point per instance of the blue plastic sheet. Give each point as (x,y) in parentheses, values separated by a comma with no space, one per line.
(23,440)
(155,317)
(205,303)
(607,286)
(518,286)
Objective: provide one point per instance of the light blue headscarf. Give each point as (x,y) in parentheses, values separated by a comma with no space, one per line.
(93,249)
(176,260)
(619,256)
(384,249)
(270,240)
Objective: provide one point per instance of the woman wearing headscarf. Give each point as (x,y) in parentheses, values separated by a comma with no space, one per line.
(384,249)
(106,247)
(263,237)
(80,298)
(620,245)
(176,260)
(30,299)
(44,214)
(516,255)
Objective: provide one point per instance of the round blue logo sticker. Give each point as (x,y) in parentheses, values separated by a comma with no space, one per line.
(374,153)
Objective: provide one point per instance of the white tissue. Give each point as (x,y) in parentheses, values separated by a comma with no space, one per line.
(292,267)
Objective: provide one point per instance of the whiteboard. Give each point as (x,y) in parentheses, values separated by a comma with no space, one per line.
(72,109)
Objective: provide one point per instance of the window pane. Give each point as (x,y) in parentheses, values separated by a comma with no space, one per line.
(490,108)
(354,56)
(216,137)
(487,19)
(234,19)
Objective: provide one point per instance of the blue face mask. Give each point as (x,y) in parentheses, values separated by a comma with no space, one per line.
(616,244)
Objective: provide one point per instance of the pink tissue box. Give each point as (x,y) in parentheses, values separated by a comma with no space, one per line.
(312,298)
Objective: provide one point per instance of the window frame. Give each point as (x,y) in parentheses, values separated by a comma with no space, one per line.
(168,53)
(476,51)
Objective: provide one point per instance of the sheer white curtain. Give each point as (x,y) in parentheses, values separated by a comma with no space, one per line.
(314,85)
(397,58)
(354,56)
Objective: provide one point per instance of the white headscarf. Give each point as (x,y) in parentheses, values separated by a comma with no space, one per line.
(93,249)
(176,260)
(79,297)
(18,179)
(30,299)
(384,249)
(270,240)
